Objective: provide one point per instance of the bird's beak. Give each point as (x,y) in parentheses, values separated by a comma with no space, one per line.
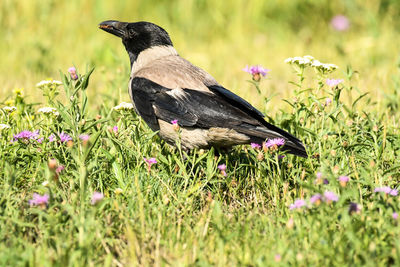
(113,27)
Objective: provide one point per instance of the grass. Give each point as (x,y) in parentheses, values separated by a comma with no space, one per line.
(183,210)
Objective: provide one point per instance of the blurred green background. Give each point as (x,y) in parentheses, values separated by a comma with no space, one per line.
(39,38)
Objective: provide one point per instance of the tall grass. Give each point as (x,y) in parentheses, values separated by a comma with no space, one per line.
(182,210)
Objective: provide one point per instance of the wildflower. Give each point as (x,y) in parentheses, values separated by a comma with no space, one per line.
(340,23)
(45,183)
(4,126)
(60,169)
(123,106)
(49,82)
(19,92)
(328,101)
(255,145)
(118,191)
(395,215)
(298,204)
(256,71)
(325,181)
(222,168)
(150,161)
(26,135)
(175,125)
(96,197)
(49,110)
(64,137)
(115,129)
(316,199)
(277,257)
(343,180)
(10,109)
(333,82)
(84,137)
(273,144)
(39,200)
(354,208)
(387,190)
(318,180)
(52,164)
(52,138)
(281,156)
(330,197)
(72,73)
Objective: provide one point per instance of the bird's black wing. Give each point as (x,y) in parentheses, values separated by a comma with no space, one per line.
(245,106)
(191,108)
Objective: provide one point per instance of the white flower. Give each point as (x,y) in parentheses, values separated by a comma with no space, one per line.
(48,82)
(123,106)
(49,110)
(311,58)
(10,109)
(4,126)
(289,60)
(315,63)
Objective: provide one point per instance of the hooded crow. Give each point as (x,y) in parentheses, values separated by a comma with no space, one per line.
(165,87)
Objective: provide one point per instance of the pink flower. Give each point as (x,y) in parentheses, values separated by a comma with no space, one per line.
(26,135)
(72,72)
(395,215)
(274,142)
(96,197)
(150,161)
(84,137)
(64,137)
(298,204)
(333,82)
(39,200)
(328,101)
(343,180)
(340,23)
(115,129)
(52,138)
(256,71)
(255,145)
(60,169)
(387,190)
(316,199)
(174,122)
(222,168)
(330,197)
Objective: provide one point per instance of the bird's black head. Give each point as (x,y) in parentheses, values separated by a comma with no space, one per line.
(137,36)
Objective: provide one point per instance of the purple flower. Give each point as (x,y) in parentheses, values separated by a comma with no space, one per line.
(115,129)
(354,207)
(64,137)
(333,82)
(26,135)
(298,204)
(222,168)
(325,181)
(395,215)
(174,122)
(39,200)
(256,71)
(72,72)
(255,145)
(330,197)
(316,199)
(275,142)
(387,190)
(328,101)
(52,138)
(281,156)
(343,180)
(150,161)
(96,197)
(60,169)
(340,23)
(84,137)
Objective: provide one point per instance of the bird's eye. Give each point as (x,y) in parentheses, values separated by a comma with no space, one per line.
(131,32)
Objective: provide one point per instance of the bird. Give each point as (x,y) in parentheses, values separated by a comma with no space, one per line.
(168,91)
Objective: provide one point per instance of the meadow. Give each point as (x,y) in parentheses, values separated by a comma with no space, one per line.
(85,182)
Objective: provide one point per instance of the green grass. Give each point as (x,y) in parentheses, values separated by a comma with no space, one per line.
(183,211)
